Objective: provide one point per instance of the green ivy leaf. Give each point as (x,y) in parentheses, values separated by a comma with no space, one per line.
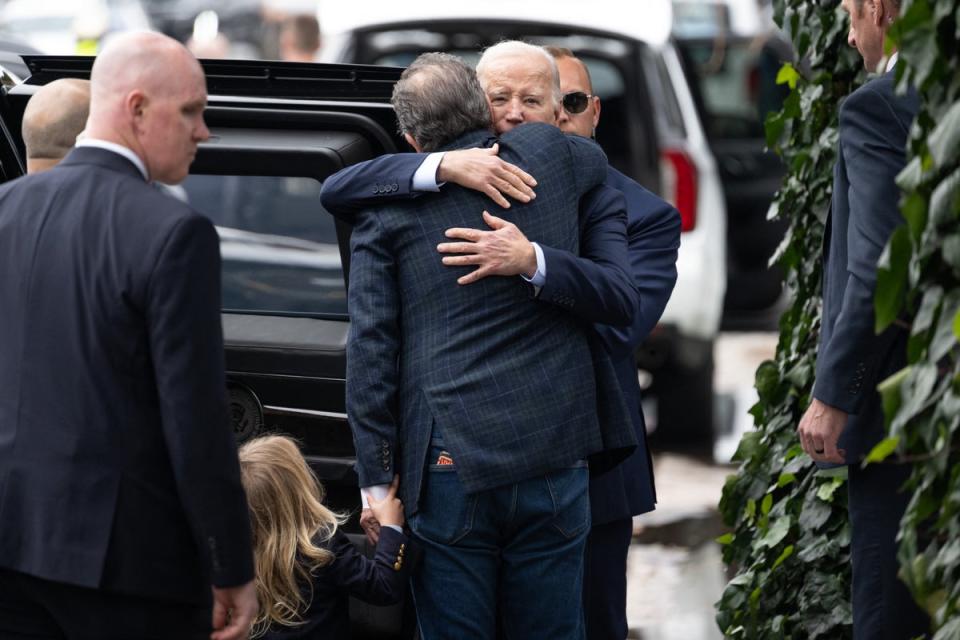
(956,325)
(914,210)
(814,515)
(943,336)
(767,378)
(912,175)
(944,141)
(726,538)
(785,479)
(787,552)
(892,278)
(766,504)
(890,393)
(776,533)
(826,490)
(944,201)
(788,75)
(951,251)
(882,450)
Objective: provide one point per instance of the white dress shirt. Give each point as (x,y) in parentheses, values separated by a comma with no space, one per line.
(118,149)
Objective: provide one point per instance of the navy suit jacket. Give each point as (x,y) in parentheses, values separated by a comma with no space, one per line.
(381,580)
(118,467)
(852,359)
(510,383)
(589,285)
(653,237)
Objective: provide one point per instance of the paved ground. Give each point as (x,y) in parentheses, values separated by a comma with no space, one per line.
(674,572)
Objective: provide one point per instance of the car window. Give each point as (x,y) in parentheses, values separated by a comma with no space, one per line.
(669,112)
(737,84)
(278,246)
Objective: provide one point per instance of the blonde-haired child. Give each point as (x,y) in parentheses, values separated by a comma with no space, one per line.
(306,566)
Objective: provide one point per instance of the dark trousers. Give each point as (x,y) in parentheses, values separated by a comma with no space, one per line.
(35,609)
(605,580)
(882,606)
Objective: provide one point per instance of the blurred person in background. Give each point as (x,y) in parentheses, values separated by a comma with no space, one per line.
(299,38)
(55,115)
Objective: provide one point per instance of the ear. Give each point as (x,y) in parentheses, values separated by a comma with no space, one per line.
(878,12)
(596,111)
(135,104)
(412,142)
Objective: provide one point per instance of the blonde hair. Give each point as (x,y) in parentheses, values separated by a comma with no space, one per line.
(288,520)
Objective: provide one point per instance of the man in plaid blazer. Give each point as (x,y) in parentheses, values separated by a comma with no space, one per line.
(483,401)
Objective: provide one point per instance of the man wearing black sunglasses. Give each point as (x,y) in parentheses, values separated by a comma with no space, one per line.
(653,237)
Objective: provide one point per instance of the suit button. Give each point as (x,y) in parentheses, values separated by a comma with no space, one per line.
(394,186)
(376,189)
(397,565)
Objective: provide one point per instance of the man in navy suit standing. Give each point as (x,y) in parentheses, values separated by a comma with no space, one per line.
(483,399)
(653,235)
(845,418)
(120,496)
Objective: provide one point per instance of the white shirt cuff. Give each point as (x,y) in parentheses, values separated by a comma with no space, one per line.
(425,178)
(378,491)
(540,277)
(395,527)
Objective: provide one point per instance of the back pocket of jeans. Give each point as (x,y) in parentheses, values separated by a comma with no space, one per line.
(446,511)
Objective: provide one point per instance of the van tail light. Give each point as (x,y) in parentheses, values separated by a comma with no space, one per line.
(679,176)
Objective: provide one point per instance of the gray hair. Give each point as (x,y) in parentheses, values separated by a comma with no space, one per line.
(514,49)
(438,99)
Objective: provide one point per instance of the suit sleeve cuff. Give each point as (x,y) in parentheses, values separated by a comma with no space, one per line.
(378,491)
(425,178)
(539,278)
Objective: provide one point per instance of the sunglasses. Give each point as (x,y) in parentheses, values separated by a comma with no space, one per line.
(575,102)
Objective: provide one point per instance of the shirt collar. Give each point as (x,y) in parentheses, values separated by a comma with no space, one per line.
(118,149)
(892,61)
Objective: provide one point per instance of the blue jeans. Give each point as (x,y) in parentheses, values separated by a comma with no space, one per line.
(507,562)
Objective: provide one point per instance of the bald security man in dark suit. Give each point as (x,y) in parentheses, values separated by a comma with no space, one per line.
(120,496)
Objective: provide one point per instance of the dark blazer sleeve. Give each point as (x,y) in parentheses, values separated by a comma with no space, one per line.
(595,285)
(373,348)
(381,580)
(186,346)
(872,141)
(653,240)
(370,183)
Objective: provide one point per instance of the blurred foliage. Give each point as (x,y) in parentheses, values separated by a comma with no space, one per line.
(790,535)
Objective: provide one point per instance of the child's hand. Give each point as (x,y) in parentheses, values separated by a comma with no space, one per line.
(390,509)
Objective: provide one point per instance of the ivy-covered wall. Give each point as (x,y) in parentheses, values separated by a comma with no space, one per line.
(790,536)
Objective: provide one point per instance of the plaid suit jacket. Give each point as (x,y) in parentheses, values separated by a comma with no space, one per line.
(510,383)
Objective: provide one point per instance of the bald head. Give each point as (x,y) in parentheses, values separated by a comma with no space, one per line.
(148,93)
(54,117)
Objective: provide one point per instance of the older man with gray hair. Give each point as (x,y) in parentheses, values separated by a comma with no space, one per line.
(55,115)
(483,401)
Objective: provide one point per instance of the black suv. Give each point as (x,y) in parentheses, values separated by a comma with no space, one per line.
(278,130)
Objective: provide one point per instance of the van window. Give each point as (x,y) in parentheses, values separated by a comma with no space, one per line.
(278,246)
